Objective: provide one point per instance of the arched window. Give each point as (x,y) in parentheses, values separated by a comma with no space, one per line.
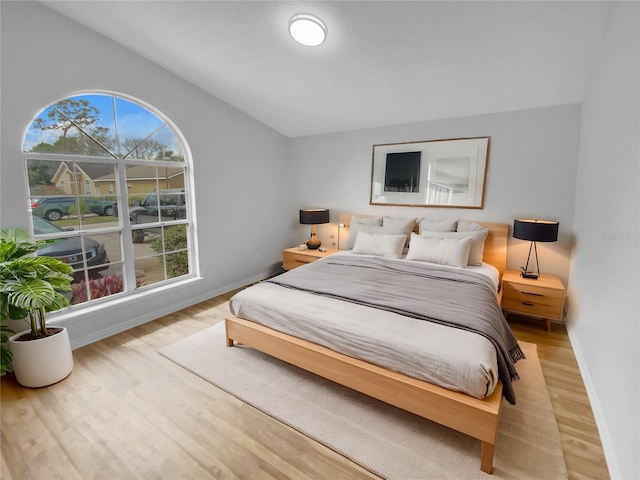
(130,226)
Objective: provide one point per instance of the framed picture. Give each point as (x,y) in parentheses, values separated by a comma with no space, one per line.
(435,173)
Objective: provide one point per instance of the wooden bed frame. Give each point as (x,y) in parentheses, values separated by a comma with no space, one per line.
(474,417)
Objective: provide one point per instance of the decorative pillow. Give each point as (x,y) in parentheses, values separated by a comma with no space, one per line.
(399,226)
(390,246)
(356,224)
(465,226)
(438,225)
(378,229)
(445,251)
(477,242)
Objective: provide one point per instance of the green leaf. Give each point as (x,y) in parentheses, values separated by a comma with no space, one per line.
(60,283)
(5,332)
(15,243)
(15,313)
(60,301)
(12,251)
(15,235)
(5,359)
(35,267)
(5,353)
(32,294)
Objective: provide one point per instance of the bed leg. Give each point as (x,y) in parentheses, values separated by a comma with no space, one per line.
(486,457)
(226,332)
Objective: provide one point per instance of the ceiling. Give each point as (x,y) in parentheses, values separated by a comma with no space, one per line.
(383,63)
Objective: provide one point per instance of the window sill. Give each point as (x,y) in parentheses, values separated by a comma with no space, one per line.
(78,312)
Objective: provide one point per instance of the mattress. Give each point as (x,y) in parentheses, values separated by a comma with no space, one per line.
(451,358)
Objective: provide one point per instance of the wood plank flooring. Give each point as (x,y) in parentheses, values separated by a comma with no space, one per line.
(580,438)
(126,412)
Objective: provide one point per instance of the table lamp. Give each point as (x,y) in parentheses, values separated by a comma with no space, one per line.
(313,217)
(534,231)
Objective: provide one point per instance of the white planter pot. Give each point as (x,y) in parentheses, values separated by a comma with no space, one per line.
(42,362)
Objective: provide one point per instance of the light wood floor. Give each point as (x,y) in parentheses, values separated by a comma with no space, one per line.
(580,438)
(126,412)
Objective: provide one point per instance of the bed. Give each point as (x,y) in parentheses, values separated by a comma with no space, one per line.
(265,319)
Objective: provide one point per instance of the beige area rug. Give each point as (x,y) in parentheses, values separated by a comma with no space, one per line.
(385,440)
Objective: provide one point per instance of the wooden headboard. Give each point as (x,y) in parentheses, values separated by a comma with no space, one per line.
(495,246)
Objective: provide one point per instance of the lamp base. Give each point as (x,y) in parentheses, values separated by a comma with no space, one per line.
(313,243)
(533,276)
(525,270)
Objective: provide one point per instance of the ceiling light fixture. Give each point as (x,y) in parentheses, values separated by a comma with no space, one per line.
(307,29)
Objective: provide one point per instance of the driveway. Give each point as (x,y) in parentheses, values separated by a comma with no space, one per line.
(147,264)
(149,268)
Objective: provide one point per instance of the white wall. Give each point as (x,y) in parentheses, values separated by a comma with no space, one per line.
(531,173)
(605,269)
(240,164)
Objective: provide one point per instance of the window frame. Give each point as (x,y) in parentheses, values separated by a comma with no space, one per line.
(124,227)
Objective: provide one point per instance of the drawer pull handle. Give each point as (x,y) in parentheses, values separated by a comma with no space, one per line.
(301,261)
(528,304)
(534,294)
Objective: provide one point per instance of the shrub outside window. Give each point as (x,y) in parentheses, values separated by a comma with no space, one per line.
(110,180)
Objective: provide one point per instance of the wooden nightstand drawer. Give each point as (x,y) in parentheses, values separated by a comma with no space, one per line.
(527,293)
(293,258)
(529,307)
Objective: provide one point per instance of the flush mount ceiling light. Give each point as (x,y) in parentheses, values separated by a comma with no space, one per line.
(307,29)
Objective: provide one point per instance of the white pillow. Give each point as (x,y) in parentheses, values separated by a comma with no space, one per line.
(438,225)
(389,246)
(399,226)
(477,242)
(465,226)
(445,251)
(356,224)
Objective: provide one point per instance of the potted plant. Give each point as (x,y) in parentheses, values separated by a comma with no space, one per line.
(5,353)
(31,286)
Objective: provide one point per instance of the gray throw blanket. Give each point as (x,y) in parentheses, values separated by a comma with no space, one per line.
(457,298)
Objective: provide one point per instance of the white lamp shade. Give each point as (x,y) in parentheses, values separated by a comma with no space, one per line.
(307,29)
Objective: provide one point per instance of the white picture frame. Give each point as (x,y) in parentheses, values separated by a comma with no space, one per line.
(434,173)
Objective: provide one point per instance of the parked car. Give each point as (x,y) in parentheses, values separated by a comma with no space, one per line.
(54,208)
(164,205)
(69,250)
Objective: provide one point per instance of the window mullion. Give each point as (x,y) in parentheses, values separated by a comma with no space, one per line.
(147,138)
(126,238)
(117,131)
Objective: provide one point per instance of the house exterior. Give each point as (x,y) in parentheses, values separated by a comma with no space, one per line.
(83,181)
(142,180)
(99,180)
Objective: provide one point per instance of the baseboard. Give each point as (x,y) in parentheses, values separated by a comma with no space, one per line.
(601,423)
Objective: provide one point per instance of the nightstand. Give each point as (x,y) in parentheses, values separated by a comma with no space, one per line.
(293,258)
(542,298)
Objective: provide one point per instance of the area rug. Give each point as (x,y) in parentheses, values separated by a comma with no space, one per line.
(387,441)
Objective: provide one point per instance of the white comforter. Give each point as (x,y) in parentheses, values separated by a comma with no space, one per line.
(449,357)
